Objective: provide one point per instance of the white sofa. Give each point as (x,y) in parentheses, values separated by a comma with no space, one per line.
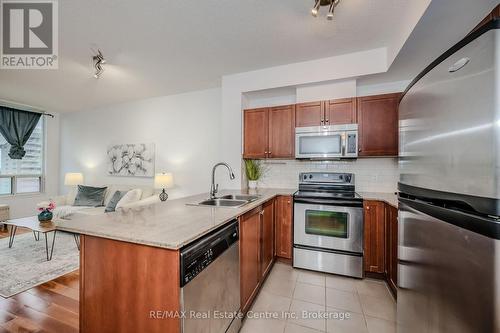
(66,210)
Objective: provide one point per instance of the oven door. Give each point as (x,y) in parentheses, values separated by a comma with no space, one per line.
(328,225)
(319,144)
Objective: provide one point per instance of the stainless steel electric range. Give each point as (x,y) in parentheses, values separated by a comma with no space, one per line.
(328,224)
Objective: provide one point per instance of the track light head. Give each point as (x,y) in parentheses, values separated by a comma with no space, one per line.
(98,62)
(315,9)
(331,3)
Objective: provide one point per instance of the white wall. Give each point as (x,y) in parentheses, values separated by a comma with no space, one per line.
(185,128)
(23,205)
(382,88)
(326,90)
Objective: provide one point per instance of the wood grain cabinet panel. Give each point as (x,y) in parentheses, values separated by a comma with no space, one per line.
(256,131)
(283,220)
(309,114)
(121,283)
(269,132)
(374,236)
(282,132)
(340,111)
(267,236)
(250,253)
(378,125)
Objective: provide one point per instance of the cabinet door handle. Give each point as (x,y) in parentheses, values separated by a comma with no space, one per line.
(288,202)
(262,212)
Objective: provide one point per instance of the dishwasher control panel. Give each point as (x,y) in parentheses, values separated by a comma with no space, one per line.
(198,255)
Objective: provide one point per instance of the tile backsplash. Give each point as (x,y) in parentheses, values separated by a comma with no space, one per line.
(371,174)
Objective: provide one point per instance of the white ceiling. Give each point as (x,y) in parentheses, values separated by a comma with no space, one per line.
(158,47)
(444,23)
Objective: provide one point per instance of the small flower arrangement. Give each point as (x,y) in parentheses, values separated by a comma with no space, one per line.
(45,214)
(50,207)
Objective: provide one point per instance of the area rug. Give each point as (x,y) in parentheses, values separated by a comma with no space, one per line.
(25,265)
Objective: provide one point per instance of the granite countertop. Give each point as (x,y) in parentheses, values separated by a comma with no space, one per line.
(171,224)
(390,198)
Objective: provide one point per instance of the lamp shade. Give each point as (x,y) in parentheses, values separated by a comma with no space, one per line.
(73,178)
(163,180)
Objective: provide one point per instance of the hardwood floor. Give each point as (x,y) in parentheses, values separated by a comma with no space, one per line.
(50,307)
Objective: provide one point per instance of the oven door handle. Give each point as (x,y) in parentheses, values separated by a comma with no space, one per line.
(343,203)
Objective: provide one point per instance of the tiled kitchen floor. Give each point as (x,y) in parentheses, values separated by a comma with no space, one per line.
(287,290)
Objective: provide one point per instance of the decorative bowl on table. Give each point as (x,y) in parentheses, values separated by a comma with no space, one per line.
(45,214)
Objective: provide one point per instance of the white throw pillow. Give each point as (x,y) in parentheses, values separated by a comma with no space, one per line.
(130,197)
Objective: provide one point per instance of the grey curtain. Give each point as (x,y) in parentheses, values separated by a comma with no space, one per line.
(16,126)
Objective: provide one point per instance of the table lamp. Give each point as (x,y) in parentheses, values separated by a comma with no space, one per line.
(73,179)
(163,181)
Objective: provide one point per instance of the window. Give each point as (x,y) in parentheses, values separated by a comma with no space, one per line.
(26,175)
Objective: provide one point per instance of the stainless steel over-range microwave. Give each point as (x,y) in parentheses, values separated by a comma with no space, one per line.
(327,142)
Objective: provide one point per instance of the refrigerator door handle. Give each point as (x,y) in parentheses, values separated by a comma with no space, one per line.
(486,226)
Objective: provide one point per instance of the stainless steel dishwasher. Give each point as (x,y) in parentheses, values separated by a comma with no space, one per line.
(210,283)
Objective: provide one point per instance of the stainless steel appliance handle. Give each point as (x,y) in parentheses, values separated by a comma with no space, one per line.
(344,203)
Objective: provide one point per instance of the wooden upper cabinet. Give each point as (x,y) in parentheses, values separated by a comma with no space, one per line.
(250,252)
(378,125)
(374,236)
(283,230)
(340,111)
(282,132)
(256,131)
(267,236)
(309,114)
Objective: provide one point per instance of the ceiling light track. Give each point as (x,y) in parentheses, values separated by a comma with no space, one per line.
(319,3)
(99,61)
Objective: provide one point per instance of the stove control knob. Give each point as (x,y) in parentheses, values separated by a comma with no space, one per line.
(305,176)
(310,176)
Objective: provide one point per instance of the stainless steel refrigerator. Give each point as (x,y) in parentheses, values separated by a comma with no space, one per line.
(449,190)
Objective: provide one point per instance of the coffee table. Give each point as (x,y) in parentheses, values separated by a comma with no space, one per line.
(34,225)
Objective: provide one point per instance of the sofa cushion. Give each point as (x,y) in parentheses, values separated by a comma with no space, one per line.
(111,206)
(147,191)
(66,212)
(130,197)
(92,211)
(90,196)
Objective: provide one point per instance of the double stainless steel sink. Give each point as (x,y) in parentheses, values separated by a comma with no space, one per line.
(230,200)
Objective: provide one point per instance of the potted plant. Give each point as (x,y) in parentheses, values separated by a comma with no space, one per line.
(254,170)
(45,214)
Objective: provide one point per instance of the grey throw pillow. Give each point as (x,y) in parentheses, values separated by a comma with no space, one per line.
(114,200)
(90,196)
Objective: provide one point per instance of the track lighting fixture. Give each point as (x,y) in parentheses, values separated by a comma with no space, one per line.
(319,3)
(315,9)
(98,62)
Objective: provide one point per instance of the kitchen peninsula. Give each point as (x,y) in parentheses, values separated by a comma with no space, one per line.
(129,262)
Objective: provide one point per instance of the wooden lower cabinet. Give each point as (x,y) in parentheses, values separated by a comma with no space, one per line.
(256,250)
(391,260)
(267,238)
(249,257)
(283,230)
(374,256)
(381,242)
(123,285)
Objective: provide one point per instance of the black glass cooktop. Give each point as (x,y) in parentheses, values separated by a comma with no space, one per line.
(327,195)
